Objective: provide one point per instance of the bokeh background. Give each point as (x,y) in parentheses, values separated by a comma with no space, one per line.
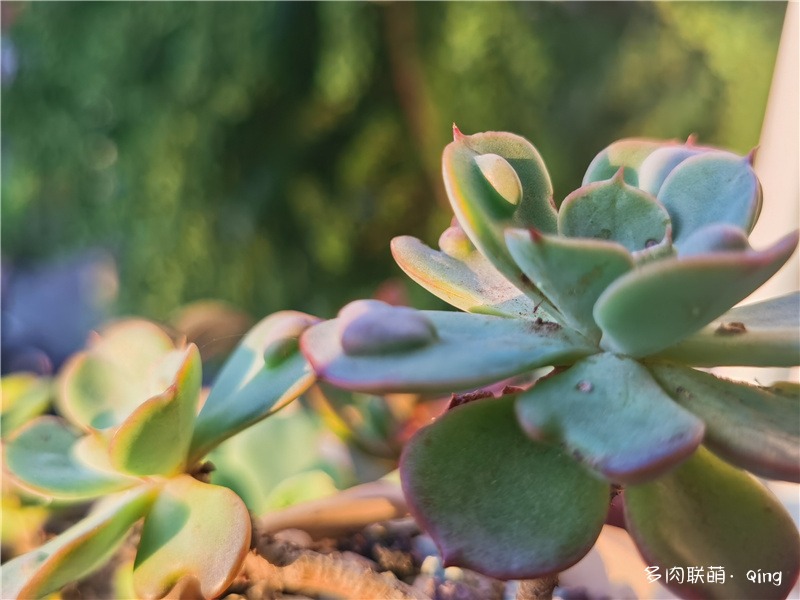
(264,154)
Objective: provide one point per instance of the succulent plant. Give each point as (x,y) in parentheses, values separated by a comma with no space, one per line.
(623,290)
(133,437)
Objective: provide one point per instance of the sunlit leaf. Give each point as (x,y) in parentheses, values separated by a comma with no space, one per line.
(43,457)
(471,284)
(478,201)
(77,551)
(24,397)
(193,529)
(154,439)
(264,373)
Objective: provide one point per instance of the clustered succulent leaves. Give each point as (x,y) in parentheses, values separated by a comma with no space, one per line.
(623,289)
(134,438)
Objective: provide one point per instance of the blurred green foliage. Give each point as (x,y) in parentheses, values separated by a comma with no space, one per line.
(265,153)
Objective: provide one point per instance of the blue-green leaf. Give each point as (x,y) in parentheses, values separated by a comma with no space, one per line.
(612,416)
(660,303)
(264,373)
(469,351)
(43,458)
(755,428)
(761,334)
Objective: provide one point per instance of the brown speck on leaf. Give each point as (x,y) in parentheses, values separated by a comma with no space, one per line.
(732,328)
(460,399)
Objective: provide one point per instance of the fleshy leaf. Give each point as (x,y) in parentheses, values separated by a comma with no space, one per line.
(614,211)
(129,362)
(571,273)
(42,457)
(662,302)
(611,416)
(628,154)
(761,334)
(660,163)
(471,350)
(495,501)
(263,374)
(708,514)
(480,206)
(25,396)
(154,439)
(712,187)
(369,327)
(97,394)
(193,529)
(77,551)
(470,283)
(754,428)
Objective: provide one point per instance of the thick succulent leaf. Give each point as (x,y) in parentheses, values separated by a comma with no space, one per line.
(660,163)
(628,154)
(707,513)
(495,501)
(614,211)
(154,439)
(469,351)
(755,428)
(25,396)
(761,334)
(96,393)
(572,273)
(660,303)
(263,374)
(99,388)
(77,551)
(478,192)
(470,283)
(611,416)
(712,187)
(193,529)
(43,458)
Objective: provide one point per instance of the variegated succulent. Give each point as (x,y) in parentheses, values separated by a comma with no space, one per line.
(133,437)
(623,290)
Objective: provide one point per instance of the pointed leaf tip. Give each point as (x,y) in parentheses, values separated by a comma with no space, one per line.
(751,156)
(691,140)
(457,135)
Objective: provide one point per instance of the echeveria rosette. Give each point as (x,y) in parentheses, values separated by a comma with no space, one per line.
(623,287)
(134,435)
